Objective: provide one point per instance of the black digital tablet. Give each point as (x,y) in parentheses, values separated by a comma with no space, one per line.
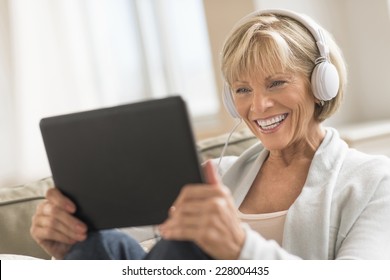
(124,165)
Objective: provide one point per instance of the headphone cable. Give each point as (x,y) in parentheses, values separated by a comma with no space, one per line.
(226,144)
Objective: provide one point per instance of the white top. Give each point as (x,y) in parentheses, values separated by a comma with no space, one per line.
(269,225)
(342,212)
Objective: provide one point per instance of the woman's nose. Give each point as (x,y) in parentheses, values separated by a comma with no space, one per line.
(261,102)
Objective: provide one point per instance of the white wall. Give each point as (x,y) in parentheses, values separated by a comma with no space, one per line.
(362,30)
(368,26)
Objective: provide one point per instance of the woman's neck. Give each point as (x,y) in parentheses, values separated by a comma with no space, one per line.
(303,148)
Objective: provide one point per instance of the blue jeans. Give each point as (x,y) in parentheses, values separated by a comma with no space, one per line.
(116,245)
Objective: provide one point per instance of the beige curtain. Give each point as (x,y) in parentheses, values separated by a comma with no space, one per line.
(8,135)
(61,56)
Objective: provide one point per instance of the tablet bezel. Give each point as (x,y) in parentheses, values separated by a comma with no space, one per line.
(124,165)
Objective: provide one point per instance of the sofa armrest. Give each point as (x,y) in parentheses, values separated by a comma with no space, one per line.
(17,206)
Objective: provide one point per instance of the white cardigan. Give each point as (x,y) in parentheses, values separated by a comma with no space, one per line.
(343,211)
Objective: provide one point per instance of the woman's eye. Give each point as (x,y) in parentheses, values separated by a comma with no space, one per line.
(242,90)
(277,84)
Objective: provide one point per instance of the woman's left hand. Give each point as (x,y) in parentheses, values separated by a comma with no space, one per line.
(206,215)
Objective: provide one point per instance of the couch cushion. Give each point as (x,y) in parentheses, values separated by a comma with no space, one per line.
(17,205)
(239,141)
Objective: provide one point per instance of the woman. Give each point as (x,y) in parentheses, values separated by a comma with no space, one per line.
(299,193)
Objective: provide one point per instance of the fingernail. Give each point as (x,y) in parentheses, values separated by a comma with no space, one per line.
(172,210)
(81,237)
(81,228)
(70,208)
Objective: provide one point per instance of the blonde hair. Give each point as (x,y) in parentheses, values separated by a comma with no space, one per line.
(271,43)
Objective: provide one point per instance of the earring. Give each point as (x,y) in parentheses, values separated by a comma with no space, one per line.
(321,103)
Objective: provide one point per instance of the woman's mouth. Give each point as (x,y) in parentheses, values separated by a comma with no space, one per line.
(271,124)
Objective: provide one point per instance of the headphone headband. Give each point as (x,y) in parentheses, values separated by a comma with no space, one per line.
(306,21)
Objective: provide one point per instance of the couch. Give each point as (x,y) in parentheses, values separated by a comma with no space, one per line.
(18,203)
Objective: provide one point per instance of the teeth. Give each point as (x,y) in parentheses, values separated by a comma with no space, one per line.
(271,122)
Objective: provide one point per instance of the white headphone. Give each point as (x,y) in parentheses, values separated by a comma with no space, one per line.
(324,78)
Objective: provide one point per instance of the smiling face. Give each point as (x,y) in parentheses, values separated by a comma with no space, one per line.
(278,108)
(267,61)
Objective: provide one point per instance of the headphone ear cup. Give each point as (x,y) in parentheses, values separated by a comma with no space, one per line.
(325,81)
(228,101)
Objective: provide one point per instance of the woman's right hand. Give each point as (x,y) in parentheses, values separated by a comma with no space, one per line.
(54,227)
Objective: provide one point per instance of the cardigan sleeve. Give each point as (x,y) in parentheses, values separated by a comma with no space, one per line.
(369,236)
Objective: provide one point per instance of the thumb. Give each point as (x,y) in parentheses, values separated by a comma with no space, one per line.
(210,173)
